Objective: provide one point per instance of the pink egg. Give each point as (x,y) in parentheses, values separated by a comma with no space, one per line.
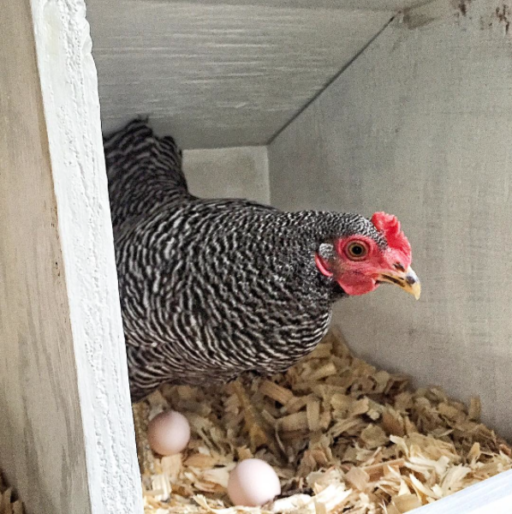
(253,483)
(168,433)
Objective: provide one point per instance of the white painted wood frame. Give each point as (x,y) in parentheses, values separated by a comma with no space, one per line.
(66,429)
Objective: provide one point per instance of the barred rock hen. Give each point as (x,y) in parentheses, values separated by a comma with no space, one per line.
(213,288)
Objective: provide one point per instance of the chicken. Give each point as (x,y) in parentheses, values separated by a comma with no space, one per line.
(211,289)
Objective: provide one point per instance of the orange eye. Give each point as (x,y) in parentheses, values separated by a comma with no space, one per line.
(356,251)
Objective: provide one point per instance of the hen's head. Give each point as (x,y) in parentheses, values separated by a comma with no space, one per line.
(371,253)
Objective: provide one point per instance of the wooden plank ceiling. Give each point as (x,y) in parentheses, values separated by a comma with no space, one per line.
(228,73)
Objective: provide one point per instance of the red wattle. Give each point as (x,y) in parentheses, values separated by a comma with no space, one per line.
(355,285)
(322,266)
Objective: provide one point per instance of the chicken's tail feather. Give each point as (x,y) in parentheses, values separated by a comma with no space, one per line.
(141,168)
(137,146)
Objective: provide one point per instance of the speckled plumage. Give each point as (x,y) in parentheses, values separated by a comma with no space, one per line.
(212,288)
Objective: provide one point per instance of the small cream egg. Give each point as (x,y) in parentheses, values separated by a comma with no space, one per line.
(253,483)
(168,433)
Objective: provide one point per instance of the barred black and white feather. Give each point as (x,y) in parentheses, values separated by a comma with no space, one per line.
(212,288)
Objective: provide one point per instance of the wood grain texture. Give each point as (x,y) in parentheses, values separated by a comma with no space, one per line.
(217,76)
(70,98)
(364,5)
(42,447)
(228,173)
(66,434)
(419,125)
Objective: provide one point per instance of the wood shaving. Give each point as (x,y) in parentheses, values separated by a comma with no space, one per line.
(341,435)
(8,503)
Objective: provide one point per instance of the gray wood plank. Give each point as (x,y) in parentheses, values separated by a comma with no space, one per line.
(225,75)
(364,5)
(228,173)
(419,125)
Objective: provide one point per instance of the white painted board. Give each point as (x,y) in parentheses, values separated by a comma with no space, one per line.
(70,98)
(66,430)
(419,125)
(42,446)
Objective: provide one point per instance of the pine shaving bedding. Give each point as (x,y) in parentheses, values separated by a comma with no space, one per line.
(348,438)
(8,503)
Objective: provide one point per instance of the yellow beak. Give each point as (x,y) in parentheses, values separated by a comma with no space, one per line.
(407,280)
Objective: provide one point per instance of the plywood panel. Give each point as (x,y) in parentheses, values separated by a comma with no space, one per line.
(228,173)
(66,434)
(219,75)
(420,126)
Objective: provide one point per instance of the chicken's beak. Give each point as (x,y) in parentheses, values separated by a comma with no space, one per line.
(407,280)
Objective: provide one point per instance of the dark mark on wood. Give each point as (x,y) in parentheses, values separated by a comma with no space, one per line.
(504,15)
(413,20)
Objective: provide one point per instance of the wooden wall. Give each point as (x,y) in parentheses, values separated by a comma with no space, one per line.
(66,434)
(218,74)
(420,125)
(228,173)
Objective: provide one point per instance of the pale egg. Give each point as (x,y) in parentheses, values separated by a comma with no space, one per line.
(253,483)
(168,433)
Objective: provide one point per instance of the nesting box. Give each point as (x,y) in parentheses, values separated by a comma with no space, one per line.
(351,105)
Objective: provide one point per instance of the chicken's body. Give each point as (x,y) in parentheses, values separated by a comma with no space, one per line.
(212,288)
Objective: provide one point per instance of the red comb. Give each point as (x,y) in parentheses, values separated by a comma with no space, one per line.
(389,225)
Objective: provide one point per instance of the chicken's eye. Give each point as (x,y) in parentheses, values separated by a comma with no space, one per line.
(356,251)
